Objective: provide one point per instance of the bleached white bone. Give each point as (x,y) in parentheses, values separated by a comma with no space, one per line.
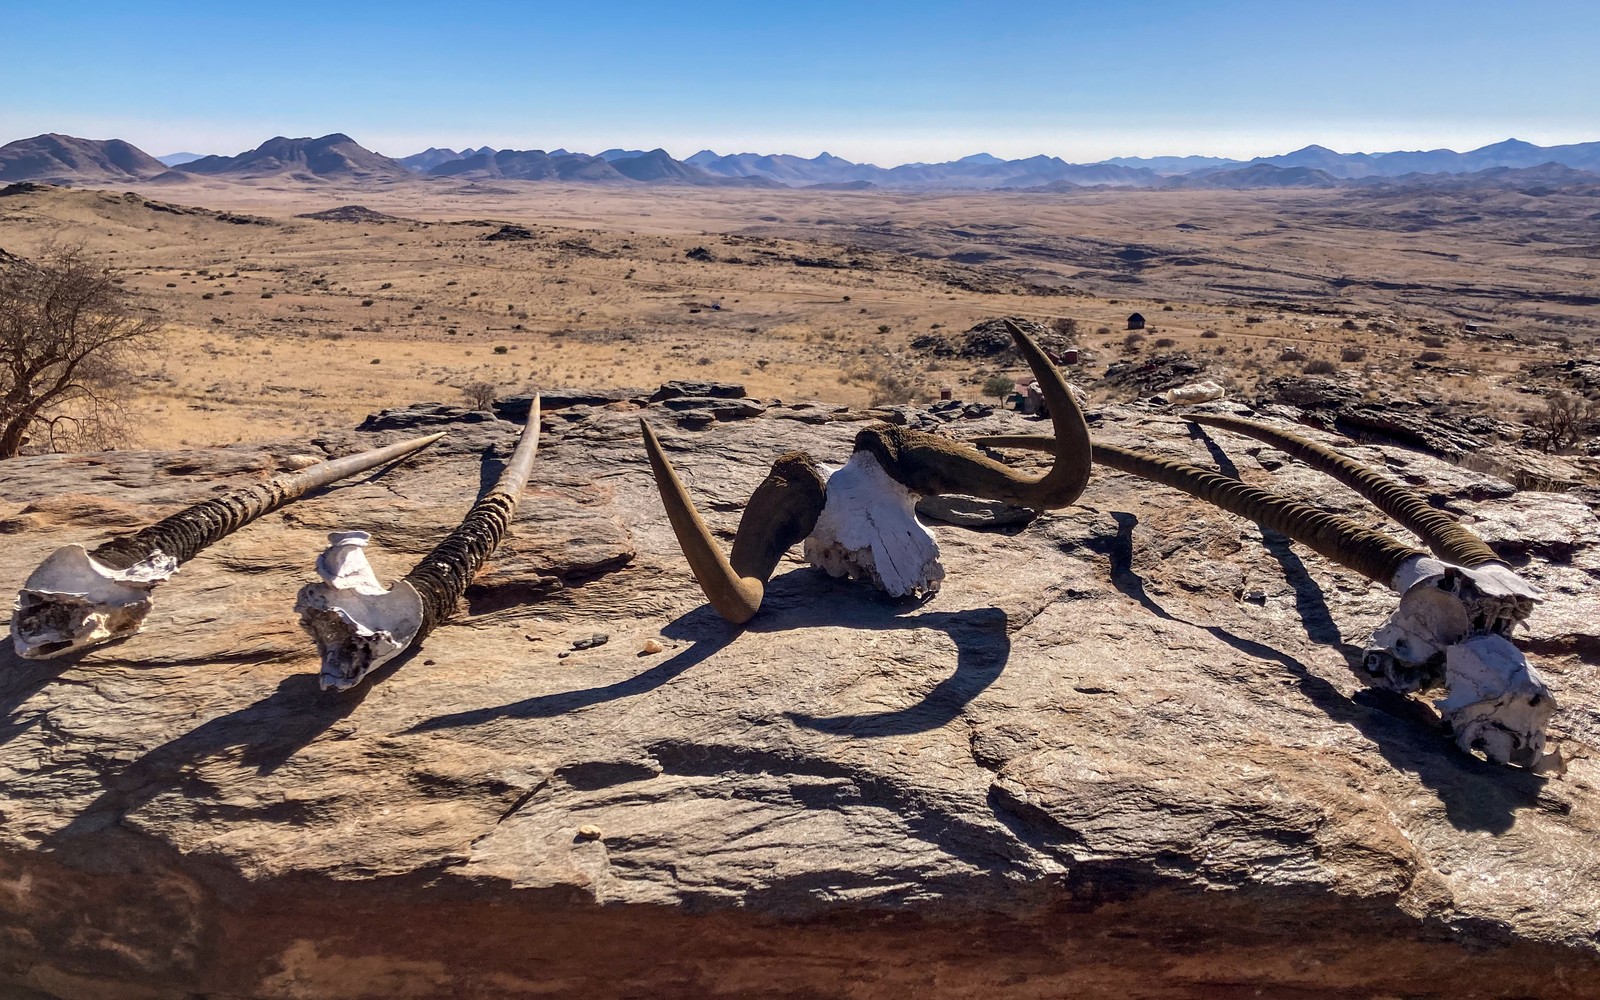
(359,624)
(1496,702)
(1452,631)
(868,529)
(73,601)
(1492,580)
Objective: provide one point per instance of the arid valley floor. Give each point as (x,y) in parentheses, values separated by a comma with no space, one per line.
(1124,751)
(279,324)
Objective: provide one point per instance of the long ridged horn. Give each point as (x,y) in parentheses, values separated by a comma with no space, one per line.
(1448,539)
(781,512)
(76,598)
(444,574)
(359,626)
(188,531)
(929,464)
(1348,543)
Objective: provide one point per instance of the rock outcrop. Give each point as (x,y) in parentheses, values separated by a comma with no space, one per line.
(1120,753)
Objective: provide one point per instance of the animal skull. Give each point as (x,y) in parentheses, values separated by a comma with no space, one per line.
(868,529)
(1452,631)
(73,601)
(358,625)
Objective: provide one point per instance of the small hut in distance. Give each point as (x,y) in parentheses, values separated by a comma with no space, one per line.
(1136,322)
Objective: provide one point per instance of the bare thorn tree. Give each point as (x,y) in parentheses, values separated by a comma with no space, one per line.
(1565,420)
(68,336)
(480,395)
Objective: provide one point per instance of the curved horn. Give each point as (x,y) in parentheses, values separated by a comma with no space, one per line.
(781,512)
(1348,543)
(359,626)
(928,464)
(76,599)
(1448,539)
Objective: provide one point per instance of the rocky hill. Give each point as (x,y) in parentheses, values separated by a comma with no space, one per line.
(331,157)
(65,159)
(1121,753)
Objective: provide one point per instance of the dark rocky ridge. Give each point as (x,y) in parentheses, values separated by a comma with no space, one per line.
(1121,753)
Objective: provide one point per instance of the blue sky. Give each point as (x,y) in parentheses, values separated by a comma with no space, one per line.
(886,82)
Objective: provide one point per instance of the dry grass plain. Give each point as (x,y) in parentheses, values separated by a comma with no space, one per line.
(280,325)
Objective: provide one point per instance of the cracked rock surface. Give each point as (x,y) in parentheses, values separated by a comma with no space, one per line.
(1121,753)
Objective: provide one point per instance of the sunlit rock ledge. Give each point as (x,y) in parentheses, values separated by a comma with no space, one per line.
(1120,753)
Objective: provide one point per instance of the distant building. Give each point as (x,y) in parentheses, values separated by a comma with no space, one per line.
(1136,322)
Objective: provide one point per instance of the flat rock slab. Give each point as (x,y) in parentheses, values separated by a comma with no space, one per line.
(1121,753)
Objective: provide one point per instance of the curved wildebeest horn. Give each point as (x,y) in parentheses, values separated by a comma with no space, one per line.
(786,507)
(781,512)
(77,598)
(1349,543)
(1448,540)
(928,464)
(359,626)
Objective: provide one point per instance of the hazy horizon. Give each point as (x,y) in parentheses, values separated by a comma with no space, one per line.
(683,151)
(887,84)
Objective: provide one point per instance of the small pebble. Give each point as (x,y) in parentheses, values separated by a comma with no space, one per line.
(598,639)
(651,646)
(427,663)
(588,832)
(563,654)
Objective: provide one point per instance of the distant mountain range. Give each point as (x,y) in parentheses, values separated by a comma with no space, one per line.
(339,158)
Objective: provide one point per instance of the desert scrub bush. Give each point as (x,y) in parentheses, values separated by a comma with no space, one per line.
(1132,341)
(1291,354)
(999,386)
(1321,366)
(1209,335)
(1433,341)
(1353,354)
(501,349)
(1064,326)
(1432,356)
(1166,342)
(890,389)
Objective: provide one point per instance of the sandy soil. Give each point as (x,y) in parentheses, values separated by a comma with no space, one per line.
(281,325)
